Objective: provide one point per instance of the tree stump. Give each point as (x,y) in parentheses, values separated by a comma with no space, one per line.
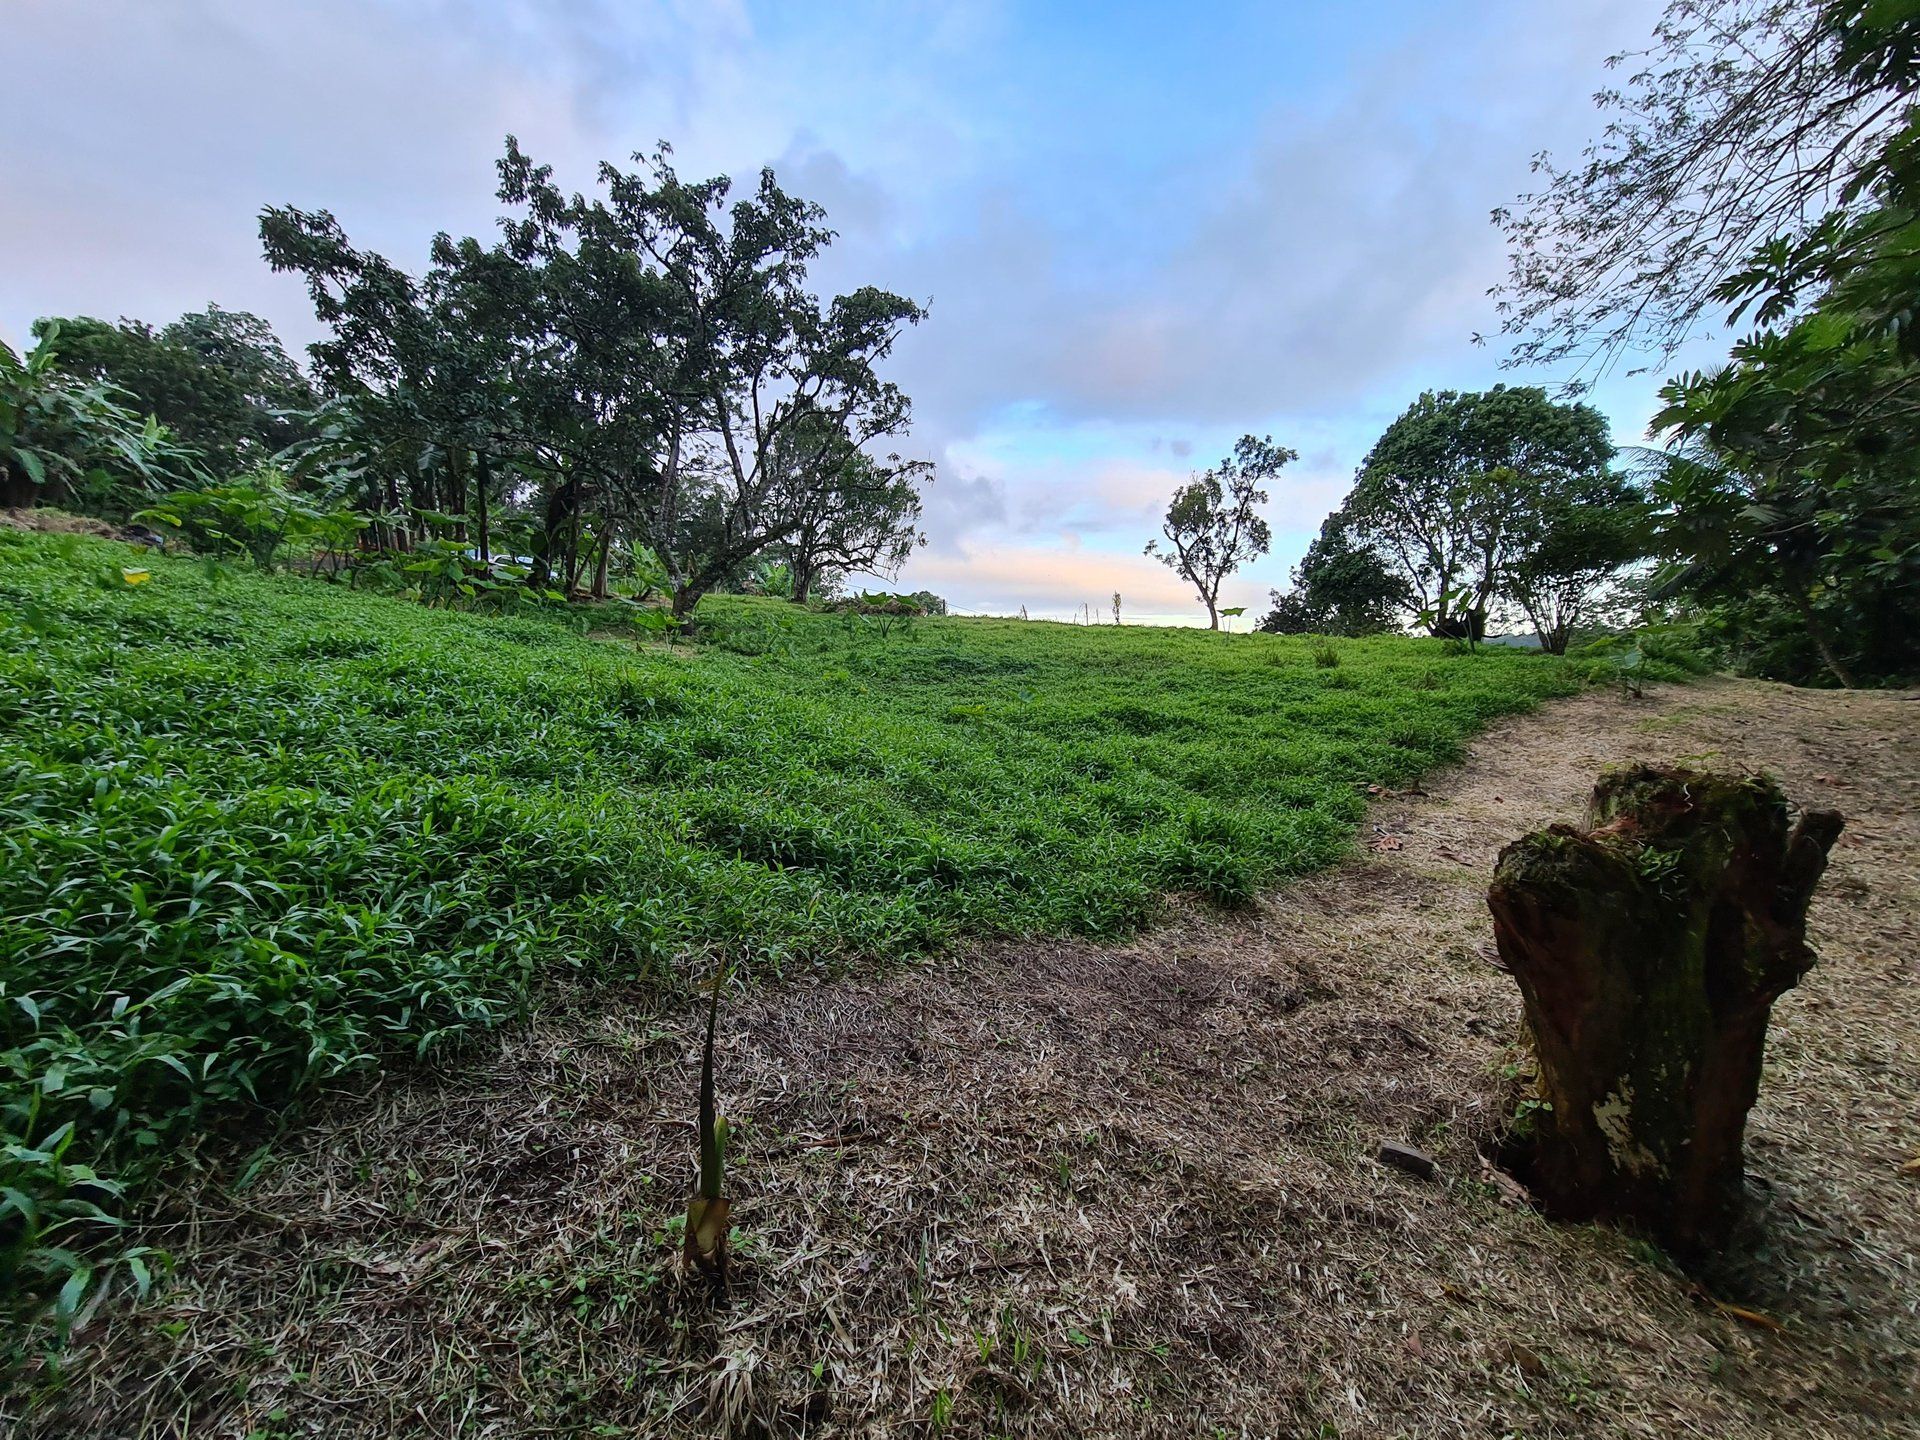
(1650,948)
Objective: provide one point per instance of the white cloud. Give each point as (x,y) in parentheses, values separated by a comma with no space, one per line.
(1128,265)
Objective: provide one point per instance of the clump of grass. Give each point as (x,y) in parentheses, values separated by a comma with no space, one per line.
(1325,656)
(262,832)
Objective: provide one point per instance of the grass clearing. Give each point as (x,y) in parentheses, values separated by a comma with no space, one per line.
(263,831)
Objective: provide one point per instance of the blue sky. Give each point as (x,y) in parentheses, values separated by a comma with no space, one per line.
(1143,228)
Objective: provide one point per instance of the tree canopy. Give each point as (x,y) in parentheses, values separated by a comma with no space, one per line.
(1340,587)
(1457,488)
(648,361)
(1744,121)
(1212,528)
(217,379)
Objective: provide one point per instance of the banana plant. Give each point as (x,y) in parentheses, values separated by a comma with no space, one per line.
(706,1238)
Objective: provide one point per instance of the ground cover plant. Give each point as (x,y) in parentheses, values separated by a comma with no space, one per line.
(263,830)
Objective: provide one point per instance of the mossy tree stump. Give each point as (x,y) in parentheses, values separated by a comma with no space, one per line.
(1650,948)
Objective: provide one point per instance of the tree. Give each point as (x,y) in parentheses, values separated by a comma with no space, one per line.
(1339,588)
(1453,490)
(1746,120)
(1211,528)
(217,379)
(66,441)
(646,364)
(1571,552)
(1791,482)
(428,382)
(742,361)
(864,518)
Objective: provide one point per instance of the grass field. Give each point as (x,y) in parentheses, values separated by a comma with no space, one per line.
(261,831)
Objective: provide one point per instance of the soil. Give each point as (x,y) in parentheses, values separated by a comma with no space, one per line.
(1057,1188)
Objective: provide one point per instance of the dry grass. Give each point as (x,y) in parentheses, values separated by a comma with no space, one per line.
(48,521)
(1065,1189)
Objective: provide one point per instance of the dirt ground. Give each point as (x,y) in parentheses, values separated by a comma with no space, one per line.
(1064,1189)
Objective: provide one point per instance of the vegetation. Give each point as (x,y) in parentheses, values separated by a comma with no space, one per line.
(263,831)
(1763,162)
(218,380)
(643,368)
(1340,587)
(1744,122)
(1211,527)
(70,442)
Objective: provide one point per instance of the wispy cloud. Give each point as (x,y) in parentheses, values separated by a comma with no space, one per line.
(1141,232)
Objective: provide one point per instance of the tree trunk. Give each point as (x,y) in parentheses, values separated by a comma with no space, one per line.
(1818,634)
(600,564)
(802,581)
(562,504)
(1649,949)
(482,477)
(685,597)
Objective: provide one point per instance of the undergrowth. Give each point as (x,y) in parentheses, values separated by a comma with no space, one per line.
(260,832)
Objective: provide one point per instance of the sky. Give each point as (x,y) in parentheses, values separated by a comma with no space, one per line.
(1141,230)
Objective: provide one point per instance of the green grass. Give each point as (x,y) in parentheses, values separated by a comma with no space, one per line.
(259,832)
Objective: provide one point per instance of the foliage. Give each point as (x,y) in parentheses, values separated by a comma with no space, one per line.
(1746,121)
(217,379)
(262,832)
(68,442)
(1456,490)
(1572,550)
(1211,529)
(862,516)
(647,360)
(259,516)
(1791,481)
(1339,588)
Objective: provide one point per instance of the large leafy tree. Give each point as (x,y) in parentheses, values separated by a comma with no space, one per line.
(646,363)
(1571,551)
(1743,121)
(754,389)
(1212,526)
(217,379)
(1454,490)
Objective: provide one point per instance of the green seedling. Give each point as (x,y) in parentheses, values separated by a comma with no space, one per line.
(706,1238)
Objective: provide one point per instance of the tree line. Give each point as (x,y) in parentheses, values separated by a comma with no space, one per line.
(1760,166)
(633,380)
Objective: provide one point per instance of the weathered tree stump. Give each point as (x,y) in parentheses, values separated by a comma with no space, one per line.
(1650,948)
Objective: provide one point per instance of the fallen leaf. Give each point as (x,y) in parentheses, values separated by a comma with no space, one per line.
(1511,1191)
(1912,1167)
(1525,1358)
(1380,844)
(1751,1317)
(1414,1347)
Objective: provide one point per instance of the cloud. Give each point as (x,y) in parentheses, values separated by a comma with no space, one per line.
(1139,237)
(1052,581)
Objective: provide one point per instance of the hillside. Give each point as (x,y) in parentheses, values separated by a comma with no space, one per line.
(264,831)
(1050,1187)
